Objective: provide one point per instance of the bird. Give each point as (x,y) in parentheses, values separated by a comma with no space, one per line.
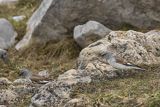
(27,74)
(4,56)
(119,64)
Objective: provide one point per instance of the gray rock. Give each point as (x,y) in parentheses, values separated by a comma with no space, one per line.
(51,94)
(73,76)
(89,33)
(55,19)
(4,81)
(153,42)
(23,89)
(7,34)
(8,2)
(56,93)
(22,81)
(130,46)
(8,97)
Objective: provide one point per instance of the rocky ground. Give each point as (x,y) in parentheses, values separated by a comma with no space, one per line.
(72,72)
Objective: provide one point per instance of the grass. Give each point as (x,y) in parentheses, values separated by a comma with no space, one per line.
(140,90)
(23,7)
(55,57)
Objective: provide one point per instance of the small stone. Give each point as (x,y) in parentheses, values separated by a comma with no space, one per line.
(73,77)
(44,73)
(22,81)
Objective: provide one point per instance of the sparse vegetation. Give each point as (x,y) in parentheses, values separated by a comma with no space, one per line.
(142,90)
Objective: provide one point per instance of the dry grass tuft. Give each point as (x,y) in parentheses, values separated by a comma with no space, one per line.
(55,57)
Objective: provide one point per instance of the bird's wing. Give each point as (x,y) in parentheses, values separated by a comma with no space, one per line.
(122,61)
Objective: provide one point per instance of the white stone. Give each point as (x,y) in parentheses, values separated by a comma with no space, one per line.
(18,18)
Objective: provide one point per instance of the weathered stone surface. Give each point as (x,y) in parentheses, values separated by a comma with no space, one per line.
(51,94)
(22,81)
(7,97)
(153,42)
(34,22)
(73,76)
(4,81)
(89,33)
(7,34)
(8,2)
(130,46)
(22,90)
(57,18)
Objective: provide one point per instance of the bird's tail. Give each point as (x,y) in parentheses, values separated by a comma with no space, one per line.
(139,68)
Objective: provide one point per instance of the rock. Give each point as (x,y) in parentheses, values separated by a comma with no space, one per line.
(55,19)
(44,73)
(73,77)
(22,90)
(153,44)
(130,46)
(18,18)
(4,81)
(8,97)
(51,94)
(3,106)
(22,81)
(7,34)
(57,93)
(37,17)
(8,2)
(89,33)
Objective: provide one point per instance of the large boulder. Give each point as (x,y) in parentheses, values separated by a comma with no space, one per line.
(55,19)
(130,46)
(89,33)
(7,34)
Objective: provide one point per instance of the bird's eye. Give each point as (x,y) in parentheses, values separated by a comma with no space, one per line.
(4,54)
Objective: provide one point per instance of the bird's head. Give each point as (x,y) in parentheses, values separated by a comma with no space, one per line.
(107,55)
(25,73)
(4,56)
